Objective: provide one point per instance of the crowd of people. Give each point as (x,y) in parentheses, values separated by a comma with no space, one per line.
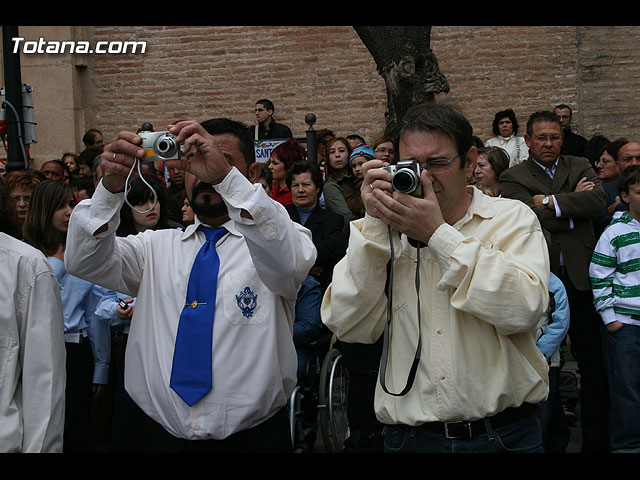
(532,254)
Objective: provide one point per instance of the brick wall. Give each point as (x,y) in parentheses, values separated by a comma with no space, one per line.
(201,72)
(206,71)
(595,70)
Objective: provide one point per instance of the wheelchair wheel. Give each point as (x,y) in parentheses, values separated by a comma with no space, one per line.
(332,409)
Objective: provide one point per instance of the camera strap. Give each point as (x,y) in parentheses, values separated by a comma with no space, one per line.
(387,328)
(126,188)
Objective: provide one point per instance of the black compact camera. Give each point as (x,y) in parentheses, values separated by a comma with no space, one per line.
(159,146)
(405,177)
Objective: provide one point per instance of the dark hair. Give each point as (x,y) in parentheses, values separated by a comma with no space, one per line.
(83,182)
(90,135)
(46,198)
(562,106)
(542,116)
(508,113)
(27,179)
(87,156)
(329,168)
(220,126)
(7,214)
(138,194)
(267,104)
(613,148)
(304,167)
(629,176)
(593,148)
(355,136)
(60,163)
(289,152)
(497,157)
(441,117)
(266,174)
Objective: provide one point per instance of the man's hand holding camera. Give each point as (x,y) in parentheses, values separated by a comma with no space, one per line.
(200,156)
(415,216)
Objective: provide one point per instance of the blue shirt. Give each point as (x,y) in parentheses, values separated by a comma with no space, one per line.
(555,332)
(79,301)
(106,308)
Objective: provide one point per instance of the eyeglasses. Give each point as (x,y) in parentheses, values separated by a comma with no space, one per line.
(383,150)
(544,138)
(21,198)
(437,163)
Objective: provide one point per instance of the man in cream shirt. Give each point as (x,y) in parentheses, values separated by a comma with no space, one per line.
(483,277)
(264,255)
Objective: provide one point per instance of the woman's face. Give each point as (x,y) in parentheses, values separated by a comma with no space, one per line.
(505,127)
(60,218)
(278,170)
(338,155)
(187,212)
(144,221)
(485,176)
(385,152)
(608,169)
(304,192)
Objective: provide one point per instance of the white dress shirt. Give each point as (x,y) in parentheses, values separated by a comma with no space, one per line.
(254,359)
(516,148)
(32,351)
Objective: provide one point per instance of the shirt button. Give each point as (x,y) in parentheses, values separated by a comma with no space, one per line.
(196,427)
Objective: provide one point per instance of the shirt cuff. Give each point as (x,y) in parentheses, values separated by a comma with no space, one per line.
(100,374)
(608,316)
(105,208)
(373,229)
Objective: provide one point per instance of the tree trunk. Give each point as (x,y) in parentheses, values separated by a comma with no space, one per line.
(410,70)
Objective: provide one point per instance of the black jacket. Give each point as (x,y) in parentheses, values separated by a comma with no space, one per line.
(327,233)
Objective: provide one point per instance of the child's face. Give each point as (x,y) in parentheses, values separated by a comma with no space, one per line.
(633,199)
(356,166)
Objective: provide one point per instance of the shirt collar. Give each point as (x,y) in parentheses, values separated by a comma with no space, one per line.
(193,228)
(481,205)
(546,169)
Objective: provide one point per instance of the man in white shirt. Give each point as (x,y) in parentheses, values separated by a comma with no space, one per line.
(264,256)
(460,369)
(32,352)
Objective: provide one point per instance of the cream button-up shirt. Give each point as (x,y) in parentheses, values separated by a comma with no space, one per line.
(483,290)
(254,359)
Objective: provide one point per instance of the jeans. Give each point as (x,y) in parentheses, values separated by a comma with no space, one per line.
(622,360)
(521,436)
(555,430)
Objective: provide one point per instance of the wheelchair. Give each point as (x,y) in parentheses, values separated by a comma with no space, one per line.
(319,401)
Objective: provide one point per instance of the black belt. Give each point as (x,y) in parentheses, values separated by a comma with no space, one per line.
(467,430)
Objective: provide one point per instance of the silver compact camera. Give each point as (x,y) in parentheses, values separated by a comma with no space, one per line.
(405,177)
(159,146)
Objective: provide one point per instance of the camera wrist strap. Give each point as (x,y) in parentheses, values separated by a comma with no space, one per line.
(387,328)
(137,162)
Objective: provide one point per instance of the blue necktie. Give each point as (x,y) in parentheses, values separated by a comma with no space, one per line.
(192,372)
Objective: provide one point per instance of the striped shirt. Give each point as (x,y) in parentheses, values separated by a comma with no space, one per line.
(615,271)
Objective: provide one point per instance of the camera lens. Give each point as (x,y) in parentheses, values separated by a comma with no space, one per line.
(405,181)
(165,147)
